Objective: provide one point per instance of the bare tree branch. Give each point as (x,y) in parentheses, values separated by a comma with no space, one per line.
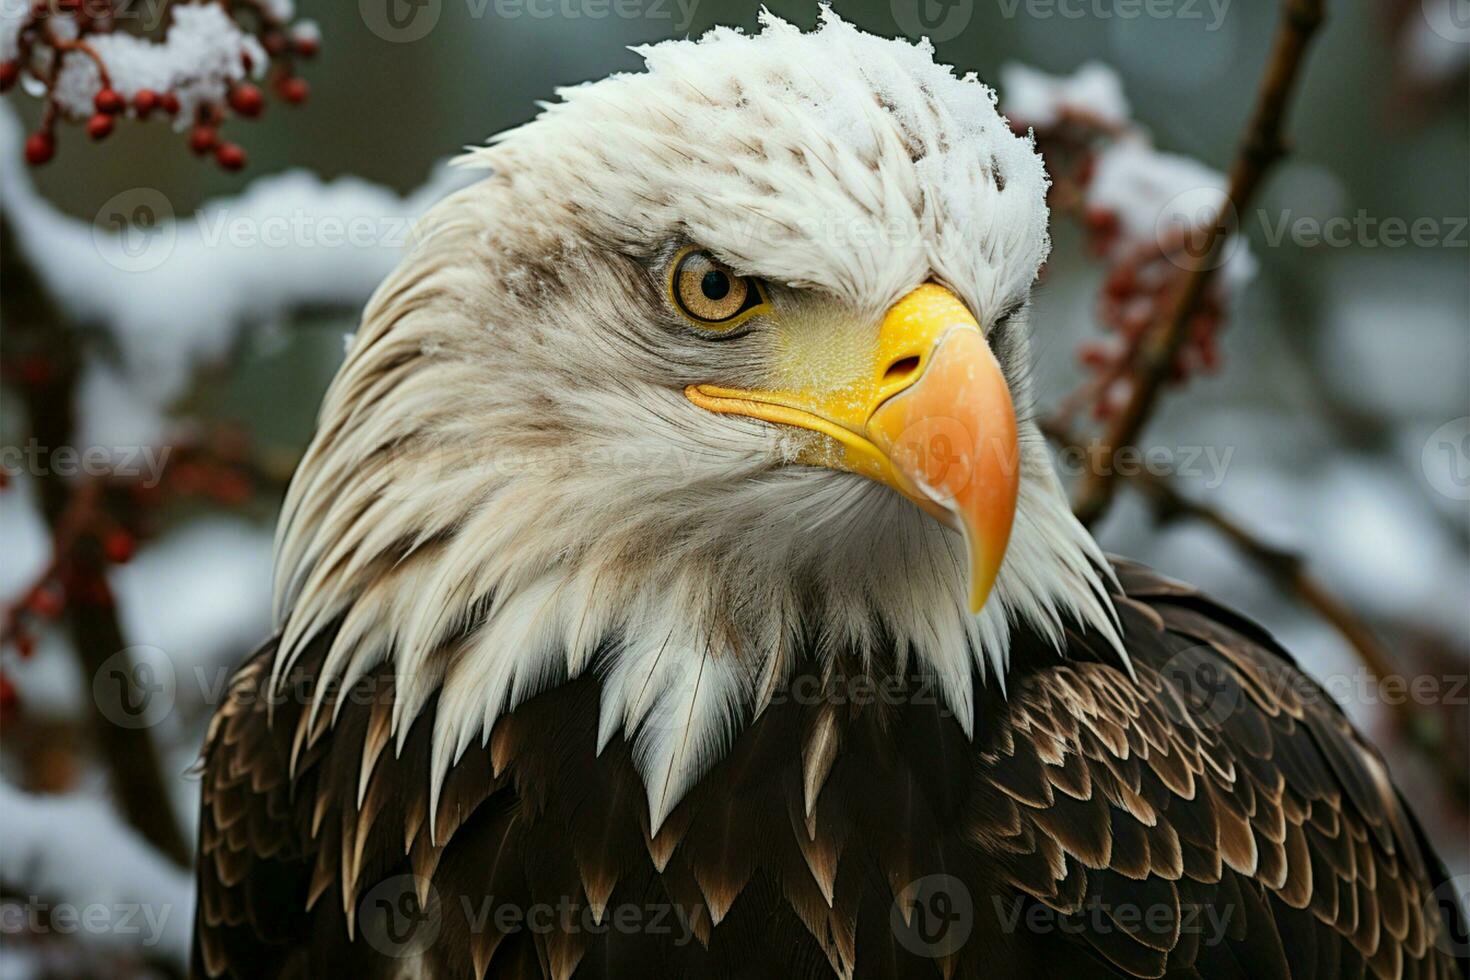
(34,324)
(1261,146)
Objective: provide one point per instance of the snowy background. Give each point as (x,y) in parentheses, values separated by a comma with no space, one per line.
(210,311)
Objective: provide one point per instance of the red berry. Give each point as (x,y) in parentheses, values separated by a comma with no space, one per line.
(294,90)
(99,126)
(40,148)
(1121,283)
(1101,220)
(230,156)
(306,46)
(145,101)
(230,488)
(119,546)
(170,103)
(108,102)
(1094,355)
(246,99)
(274,43)
(9,74)
(45,602)
(202,139)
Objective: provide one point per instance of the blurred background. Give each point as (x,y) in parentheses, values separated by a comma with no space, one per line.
(175,323)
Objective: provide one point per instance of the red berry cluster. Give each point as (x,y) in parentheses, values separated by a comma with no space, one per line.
(104,520)
(106,523)
(1141,280)
(1139,289)
(42,49)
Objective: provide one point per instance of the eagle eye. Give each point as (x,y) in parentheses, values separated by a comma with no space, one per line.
(709,292)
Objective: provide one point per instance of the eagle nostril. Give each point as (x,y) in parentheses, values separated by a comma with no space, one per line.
(901,369)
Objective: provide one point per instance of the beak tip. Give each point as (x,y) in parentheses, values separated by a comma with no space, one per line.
(979,595)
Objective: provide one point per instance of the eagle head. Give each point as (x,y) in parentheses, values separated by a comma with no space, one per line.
(722,366)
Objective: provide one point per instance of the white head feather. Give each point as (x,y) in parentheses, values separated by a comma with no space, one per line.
(508,487)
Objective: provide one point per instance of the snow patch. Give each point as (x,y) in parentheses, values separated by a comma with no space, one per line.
(1035,98)
(74,849)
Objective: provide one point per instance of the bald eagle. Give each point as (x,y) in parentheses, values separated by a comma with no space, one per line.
(677,585)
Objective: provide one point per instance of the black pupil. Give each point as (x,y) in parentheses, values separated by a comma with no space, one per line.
(715,285)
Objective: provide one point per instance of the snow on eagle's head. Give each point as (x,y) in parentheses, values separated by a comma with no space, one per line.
(631,403)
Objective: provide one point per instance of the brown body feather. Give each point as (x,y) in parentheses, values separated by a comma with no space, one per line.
(1213,816)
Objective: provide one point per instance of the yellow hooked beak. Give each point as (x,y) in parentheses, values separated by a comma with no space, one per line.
(930,416)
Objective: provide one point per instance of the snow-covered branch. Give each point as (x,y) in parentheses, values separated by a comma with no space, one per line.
(95,60)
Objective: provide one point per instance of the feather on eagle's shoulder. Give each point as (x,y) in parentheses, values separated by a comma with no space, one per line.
(1214,815)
